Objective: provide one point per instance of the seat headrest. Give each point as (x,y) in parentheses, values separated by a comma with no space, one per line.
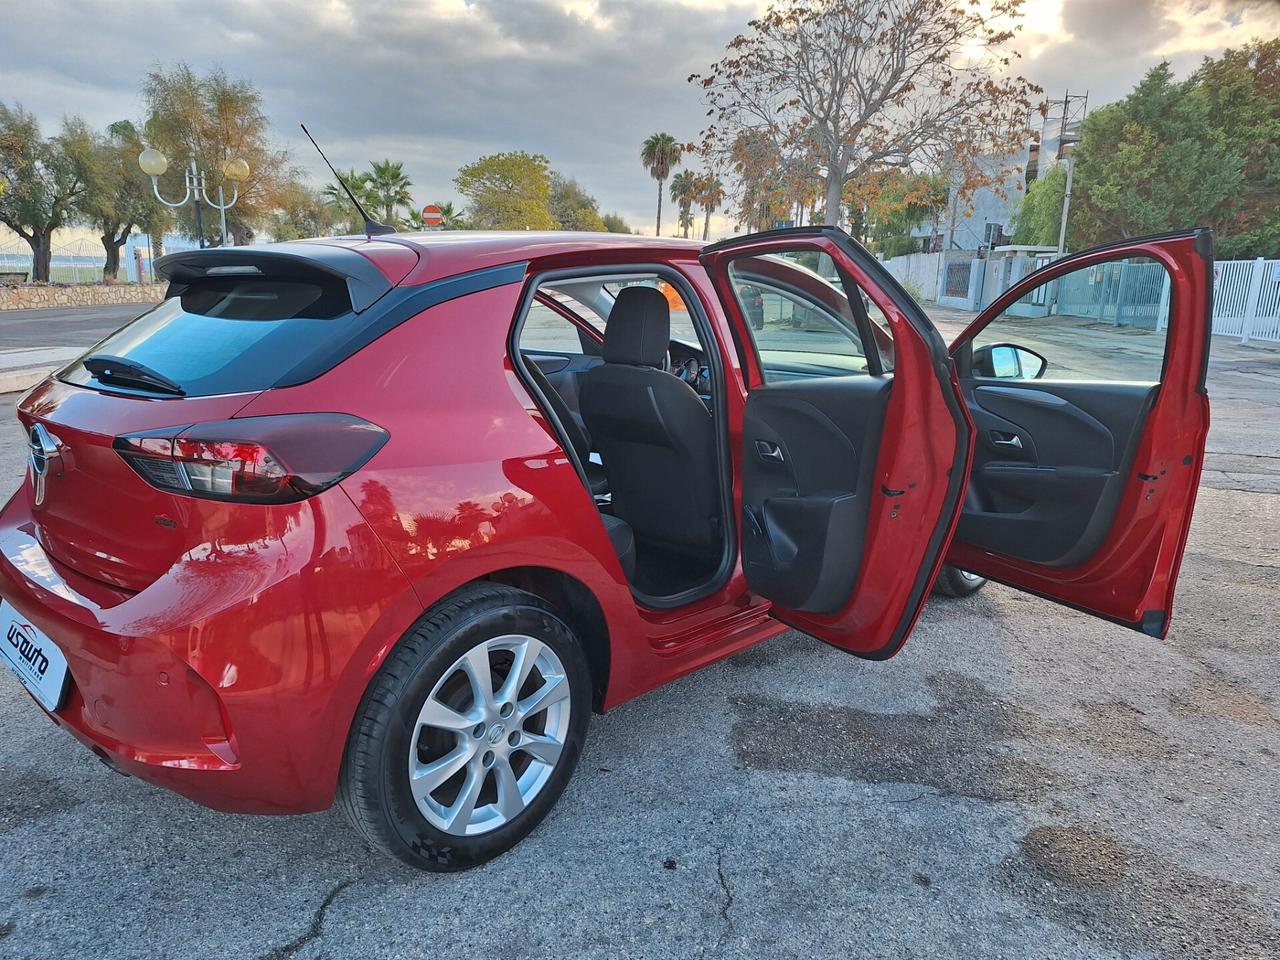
(639,328)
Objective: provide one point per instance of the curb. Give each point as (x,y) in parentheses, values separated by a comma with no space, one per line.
(15,381)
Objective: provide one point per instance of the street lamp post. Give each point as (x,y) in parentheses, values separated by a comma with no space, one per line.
(154,164)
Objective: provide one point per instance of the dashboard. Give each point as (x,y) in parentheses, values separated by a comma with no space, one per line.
(801,365)
(688,362)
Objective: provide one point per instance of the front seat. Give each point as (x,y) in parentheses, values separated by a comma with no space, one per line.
(655,435)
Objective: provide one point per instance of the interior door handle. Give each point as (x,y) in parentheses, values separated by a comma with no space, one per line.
(770,451)
(1006,439)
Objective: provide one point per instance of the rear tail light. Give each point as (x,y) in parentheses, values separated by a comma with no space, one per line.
(281,459)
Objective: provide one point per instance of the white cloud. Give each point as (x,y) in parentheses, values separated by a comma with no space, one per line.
(438,83)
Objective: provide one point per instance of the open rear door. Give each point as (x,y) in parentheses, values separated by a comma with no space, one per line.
(1085,383)
(855,443)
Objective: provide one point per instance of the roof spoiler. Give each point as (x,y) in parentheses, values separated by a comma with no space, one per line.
(366,284)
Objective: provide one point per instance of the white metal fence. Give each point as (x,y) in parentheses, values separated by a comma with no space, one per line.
(79,261)
(1127,293)
(1246,293)
(1246,299)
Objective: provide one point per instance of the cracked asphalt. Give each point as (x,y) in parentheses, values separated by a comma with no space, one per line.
(1022,781)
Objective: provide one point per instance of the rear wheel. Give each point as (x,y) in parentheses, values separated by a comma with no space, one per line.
(954,582)
(469,731)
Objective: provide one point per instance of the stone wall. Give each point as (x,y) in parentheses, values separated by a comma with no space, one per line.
(47,296)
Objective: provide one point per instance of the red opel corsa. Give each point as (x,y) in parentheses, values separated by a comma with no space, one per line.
(388,518)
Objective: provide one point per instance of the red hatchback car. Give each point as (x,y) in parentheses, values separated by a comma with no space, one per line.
(389,518)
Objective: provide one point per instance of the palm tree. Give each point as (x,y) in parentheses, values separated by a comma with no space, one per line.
(684,190)
(353,178)
(660,154)
(710,193)
(450,218)
(390,186)
(359,184)
(686,221)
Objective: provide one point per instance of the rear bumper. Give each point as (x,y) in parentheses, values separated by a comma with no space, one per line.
(233,678)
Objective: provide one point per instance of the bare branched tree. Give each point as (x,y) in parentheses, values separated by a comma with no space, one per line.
(855,86)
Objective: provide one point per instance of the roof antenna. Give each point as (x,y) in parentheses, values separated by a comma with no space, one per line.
(372,227)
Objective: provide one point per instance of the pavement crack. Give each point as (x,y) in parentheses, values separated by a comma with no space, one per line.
(727,902)
(313,932)
(918,796)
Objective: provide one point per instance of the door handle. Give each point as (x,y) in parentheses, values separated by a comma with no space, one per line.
(769,451)
(1006,439)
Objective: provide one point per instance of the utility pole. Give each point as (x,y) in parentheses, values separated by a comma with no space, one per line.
(1074,107)
(1066,205)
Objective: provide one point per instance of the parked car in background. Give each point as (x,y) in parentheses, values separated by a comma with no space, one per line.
(387,519)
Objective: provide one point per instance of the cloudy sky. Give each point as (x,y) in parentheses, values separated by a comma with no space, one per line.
(438,83)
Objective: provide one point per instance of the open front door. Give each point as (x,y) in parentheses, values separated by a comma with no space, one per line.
(1085,382)
(855,443)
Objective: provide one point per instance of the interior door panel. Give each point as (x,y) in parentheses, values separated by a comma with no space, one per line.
(548,363)
(1049,465)
(852,482)
(1082,491)
(809,453)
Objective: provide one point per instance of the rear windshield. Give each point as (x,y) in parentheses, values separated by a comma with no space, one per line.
(229,335)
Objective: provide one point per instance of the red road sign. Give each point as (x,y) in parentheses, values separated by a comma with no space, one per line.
(431,216)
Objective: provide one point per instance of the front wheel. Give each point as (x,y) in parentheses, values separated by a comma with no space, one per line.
(954,582)
(469,731)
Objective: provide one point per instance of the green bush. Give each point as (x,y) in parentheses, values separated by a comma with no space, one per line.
(892,247)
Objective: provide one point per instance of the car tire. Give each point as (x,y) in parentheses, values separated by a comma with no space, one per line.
(954,582)
(431,674)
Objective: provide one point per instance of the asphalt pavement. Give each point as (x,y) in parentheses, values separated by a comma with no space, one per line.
(1022,781)
(64,326)
(34,342)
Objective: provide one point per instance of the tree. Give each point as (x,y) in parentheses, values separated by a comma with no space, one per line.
(44,178)
(344,210)
(710,193)
(450,218)
(212,119)
(572,207)
(1156,160)
(660,154)
(685,221)
(388,185)
(508,191)
(684,190)
(614,223)
(758,165)
(891,203)
(1039,215)
(860,85)
(1242,88)
(117,197)
(298,212)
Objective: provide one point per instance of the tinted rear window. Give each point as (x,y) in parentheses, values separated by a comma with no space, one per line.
(230,335)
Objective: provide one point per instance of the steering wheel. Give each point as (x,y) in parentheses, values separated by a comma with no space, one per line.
(688,372)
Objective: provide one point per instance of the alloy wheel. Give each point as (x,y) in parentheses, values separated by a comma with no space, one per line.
(489,735)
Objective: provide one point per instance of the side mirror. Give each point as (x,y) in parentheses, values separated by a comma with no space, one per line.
(1008,361)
